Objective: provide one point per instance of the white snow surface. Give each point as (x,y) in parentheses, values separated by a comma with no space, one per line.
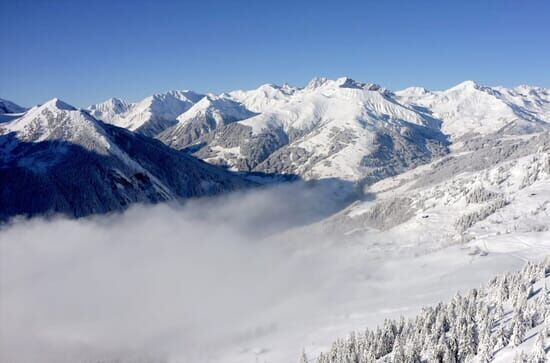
(56,120)
(324,109)
(164,107)
(217,107)
(472,108)
(414,240)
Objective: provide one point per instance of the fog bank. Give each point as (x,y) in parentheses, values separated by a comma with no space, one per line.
(220,279)
(158,282)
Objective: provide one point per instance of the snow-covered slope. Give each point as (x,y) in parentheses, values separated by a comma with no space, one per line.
(506,320)
(340,129)
(469,108)
(360,132)
(149,116)
(10,107)
(203,117)
(265,97)
(456,189)
(56,158)
(331,129)
(496,187)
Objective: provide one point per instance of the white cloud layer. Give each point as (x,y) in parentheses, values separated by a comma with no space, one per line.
(156,282)
(215,279)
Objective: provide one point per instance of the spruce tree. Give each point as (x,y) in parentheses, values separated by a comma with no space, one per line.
(502,338)
(518,331)
(398,350)
(539,353)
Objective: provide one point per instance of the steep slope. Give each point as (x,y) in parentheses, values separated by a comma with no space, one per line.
(470,109)
(56,158)
(497,187)
(150,116)
(330,129)
(205,116)
(333,129)
(10,107)
(264,97)
(110,110)
(506,320)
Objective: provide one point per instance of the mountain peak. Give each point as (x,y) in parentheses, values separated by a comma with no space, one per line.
(469,84)
(317,82)
(346,82)
(115,101)
(342,82)
(113,104)
(181,95)
(417,91)
(56,103)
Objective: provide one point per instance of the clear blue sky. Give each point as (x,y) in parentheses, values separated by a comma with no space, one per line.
(87,51)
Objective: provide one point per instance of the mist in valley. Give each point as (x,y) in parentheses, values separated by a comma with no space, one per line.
(160,282)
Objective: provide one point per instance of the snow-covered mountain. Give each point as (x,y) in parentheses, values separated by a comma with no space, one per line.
(203,117)
(454,185)
(470,109)
(344,130)
(488,190)
(338,129)
(56,158)
(149,116)
(10,107)
(356,131)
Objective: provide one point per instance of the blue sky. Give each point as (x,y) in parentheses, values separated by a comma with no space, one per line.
(87,51)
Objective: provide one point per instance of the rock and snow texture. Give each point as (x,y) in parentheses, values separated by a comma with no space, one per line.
(459,179)
(498,188)
(10,107)
(331,129)
(203,117)
(471,109)
(149,116)
(55,158)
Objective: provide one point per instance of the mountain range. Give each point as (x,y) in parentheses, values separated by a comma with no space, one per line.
(340,128)
(439,189)
(55,158)
(101,158)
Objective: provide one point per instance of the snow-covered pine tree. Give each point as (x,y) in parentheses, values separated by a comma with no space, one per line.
(539,353)
(470,327)
(412,353)
(519,328)
(521,357)
(486,346)
(502,337)
(398,350)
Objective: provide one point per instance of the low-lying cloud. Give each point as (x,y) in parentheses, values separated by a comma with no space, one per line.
(165,282)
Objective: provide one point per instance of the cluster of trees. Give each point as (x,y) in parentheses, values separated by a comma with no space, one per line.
(468,220)
(474,326)
(481,195)
(538,166)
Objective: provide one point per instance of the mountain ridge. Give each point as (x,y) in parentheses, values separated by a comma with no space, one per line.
(58,159)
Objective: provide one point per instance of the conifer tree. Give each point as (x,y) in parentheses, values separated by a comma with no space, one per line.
(398,350)
(539,353)
(518,330)
(303,357)
(486,346)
